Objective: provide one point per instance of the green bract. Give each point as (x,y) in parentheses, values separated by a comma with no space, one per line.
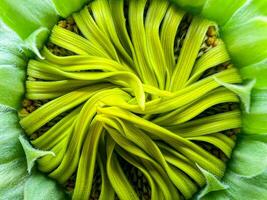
(24,29)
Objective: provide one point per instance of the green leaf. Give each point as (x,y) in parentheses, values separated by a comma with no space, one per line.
(26,16)
(66,7)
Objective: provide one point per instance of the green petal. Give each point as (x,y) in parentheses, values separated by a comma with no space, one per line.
(66,7)
(26,16)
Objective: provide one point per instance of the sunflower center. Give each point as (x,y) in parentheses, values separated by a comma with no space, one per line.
(129,99)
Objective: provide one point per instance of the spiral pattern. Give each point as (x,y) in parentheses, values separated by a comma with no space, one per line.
(132,82)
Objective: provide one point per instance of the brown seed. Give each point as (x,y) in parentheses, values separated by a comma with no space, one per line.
(26,103)
(210,41)
(31,78)
(70,21)
(31,108)
(62,23)
(211,31)
(23,112)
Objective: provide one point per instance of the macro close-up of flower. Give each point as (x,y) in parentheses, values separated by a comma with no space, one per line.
(133,99)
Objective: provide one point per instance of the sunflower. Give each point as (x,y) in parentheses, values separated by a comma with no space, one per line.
(133,99)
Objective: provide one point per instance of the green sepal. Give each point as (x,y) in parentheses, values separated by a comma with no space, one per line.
(242,179)
(25,17)
(10,48)
(41,188)
(242,188)
(66,7)
(251,9)
(255,121)
(12,85)
(246,40)
(12,159)
(243,91)
(249,158)
(10,147)
(194,7)
(258,137)
(36,40)
(31,153)
(221,10)
(245,33)
(12,64)
(212,184)
(13,164)
(6,56)
(246,173)
(259,101)
(256,71)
